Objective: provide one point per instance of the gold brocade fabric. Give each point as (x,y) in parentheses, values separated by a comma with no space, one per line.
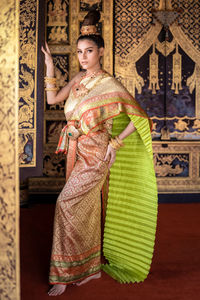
(77,227)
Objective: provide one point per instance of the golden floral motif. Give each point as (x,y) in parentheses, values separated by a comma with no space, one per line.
(25,116)
(28,55)
(181,125)
(196,125)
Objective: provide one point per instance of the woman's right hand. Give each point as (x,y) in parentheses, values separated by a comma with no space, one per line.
(47,53)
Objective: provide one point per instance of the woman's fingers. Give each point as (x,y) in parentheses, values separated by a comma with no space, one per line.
(110,156)
(42,48)
(107,154)
(112,160)
(47,50)
(47,47)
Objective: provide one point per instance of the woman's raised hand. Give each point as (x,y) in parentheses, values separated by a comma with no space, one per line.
(47,53)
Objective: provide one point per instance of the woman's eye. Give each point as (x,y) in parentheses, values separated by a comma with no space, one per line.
(79,52)
(89,51)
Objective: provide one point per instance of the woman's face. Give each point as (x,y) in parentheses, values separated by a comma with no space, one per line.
(89,55)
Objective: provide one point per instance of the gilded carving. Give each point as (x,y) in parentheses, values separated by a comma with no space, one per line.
(130,50)
(26,148)
(53,129)
(58,35)
(61,63)
(183,40)
(54,165)
(132,21)
(57,12)
(86,4)
(57,22)
(177,71)
(181,125)
(62,30)
(197,125)
(153,71)
(171,164)
(194,82)
(175,43)
(184,154)
(190,20)
(165,47)
(46,184)
(126,67)
(9,177)
(27,81)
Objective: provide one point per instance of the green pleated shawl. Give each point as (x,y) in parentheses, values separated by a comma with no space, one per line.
(131,213)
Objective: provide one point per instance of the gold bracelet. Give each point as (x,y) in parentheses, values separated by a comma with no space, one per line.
(51,89)
(51,80)
(120,142)
(114,144)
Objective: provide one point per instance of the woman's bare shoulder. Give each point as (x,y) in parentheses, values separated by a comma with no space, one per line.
(78,76)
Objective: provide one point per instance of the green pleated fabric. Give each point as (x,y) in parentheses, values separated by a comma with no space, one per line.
(131,214)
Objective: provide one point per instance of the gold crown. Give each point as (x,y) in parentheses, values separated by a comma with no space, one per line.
(88,29)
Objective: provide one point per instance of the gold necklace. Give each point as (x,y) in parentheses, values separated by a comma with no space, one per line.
(80,90)
(92,75)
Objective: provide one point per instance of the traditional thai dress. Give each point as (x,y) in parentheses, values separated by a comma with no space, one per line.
(97,108)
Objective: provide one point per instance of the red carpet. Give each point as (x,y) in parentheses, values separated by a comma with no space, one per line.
(175,272)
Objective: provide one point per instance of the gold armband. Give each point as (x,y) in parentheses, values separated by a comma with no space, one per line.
(51,80)
(51,89)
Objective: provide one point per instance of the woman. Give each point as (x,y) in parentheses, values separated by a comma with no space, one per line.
(102,117)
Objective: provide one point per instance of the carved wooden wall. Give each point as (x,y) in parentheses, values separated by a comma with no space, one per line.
(9,171)
(27,82)
(31,93)
(63,19)
(157,57)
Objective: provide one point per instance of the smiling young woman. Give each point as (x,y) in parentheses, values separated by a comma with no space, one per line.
(102,117)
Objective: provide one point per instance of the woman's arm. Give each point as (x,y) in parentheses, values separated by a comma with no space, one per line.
(111,152)
(54,96)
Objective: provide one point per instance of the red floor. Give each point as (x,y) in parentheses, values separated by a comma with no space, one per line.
(175,272)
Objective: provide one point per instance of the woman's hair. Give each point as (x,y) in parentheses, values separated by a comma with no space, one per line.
(92,18)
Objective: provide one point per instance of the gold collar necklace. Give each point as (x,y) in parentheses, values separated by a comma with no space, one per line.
(92,75)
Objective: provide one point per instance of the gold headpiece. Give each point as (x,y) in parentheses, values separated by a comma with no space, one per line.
(88,30)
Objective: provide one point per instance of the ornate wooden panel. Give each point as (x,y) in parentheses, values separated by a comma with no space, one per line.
(177,166)
(63,21)
(9,173)
(157,56)
(28,82)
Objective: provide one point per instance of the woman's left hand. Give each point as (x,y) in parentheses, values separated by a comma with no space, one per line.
(110,156)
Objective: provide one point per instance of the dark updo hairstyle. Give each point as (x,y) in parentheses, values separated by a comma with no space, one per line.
(92,18)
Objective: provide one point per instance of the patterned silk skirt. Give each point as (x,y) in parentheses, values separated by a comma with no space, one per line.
(76,251)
